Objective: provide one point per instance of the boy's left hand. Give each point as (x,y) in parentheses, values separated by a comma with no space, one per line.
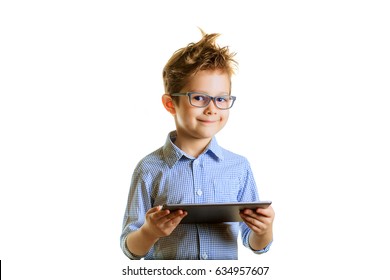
(260,220)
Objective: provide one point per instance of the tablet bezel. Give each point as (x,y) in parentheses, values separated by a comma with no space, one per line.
(215,212)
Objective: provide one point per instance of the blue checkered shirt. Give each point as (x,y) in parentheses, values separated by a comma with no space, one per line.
(170,176)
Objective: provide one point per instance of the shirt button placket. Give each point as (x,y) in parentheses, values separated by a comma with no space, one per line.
(199,197)
(197,182)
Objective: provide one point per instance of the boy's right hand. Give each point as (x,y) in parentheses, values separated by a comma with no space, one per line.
(160,223)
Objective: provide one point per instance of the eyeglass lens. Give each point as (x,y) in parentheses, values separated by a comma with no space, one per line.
(202,100)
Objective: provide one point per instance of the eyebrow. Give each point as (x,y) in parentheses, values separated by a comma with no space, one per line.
(199,91)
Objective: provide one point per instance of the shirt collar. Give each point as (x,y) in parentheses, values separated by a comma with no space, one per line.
(173,154)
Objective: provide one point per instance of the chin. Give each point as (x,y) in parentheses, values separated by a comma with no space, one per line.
(208,134)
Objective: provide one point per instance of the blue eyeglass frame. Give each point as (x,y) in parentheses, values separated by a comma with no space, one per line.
(233,98)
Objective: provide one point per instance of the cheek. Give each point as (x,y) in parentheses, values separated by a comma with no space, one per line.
(225,116)
(184,117)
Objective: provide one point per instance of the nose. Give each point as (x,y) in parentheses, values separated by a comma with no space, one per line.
(211,109)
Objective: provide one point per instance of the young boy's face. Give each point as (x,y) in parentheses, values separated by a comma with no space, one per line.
(202,123)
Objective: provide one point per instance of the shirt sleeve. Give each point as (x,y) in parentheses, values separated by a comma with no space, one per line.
(264,250)
(138,203)
(249,193)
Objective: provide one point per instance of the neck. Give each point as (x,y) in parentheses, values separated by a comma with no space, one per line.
(192,147)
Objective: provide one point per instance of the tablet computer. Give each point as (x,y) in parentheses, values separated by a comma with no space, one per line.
(216,212)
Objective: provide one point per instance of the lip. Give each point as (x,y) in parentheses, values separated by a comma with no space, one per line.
(207,121)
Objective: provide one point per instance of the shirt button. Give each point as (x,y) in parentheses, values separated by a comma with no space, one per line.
(204,256)
(199,192)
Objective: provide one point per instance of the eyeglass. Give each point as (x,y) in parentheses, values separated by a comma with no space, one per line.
(201,100)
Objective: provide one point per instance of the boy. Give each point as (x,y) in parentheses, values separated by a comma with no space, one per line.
(192,168)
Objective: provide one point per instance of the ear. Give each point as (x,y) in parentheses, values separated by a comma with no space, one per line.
(168,103)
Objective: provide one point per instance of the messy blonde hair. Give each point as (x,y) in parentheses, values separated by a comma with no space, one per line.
(203,55)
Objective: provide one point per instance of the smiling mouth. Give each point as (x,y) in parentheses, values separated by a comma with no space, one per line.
(208,121)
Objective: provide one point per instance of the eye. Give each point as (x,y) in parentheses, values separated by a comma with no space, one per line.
(199,97)
(222,99)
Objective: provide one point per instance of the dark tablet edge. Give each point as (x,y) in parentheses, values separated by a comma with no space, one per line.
(242,205)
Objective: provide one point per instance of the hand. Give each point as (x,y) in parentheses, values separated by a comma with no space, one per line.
(160,223)
(260,220)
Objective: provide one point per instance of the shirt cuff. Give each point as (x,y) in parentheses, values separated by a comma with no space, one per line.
(127,251)
(262,251)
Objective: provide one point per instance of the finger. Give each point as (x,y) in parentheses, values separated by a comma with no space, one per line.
(247,212)
(174,215)
(154,209)
(252,219)
(254,213)
(156,213)
(268,213)
(164,216)
(263,212)
(248,218)
(176,218)
(161,215)
(253,223)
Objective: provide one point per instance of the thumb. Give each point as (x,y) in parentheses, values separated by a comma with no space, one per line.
(154,209)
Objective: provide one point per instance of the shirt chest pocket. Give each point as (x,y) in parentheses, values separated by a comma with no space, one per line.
(226,190)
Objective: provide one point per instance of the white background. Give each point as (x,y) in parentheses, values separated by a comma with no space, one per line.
(80,85)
